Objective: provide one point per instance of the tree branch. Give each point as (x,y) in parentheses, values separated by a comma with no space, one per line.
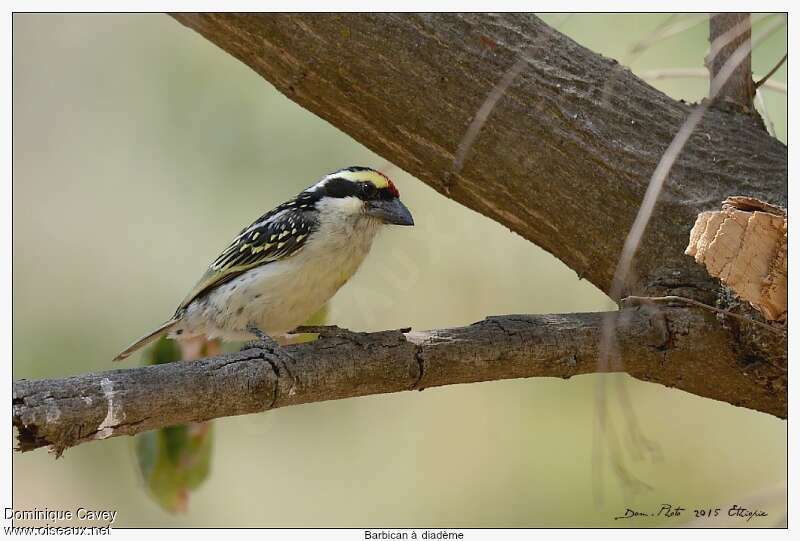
(566,154)
(728,31)
(676,347)
(563,159)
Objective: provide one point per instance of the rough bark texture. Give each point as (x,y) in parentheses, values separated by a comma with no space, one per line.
(563,159)
(727,32)
(565,156)
(676,347)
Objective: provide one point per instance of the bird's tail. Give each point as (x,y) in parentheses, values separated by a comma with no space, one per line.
(146,339)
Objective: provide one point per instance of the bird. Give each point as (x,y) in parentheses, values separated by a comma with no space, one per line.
(278,271)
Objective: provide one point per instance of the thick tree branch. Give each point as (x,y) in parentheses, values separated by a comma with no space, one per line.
(564,157)
(677,347)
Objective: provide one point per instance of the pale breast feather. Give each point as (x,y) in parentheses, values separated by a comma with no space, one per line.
(276,235)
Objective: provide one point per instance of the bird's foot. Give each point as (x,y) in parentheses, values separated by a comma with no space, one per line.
(266,343)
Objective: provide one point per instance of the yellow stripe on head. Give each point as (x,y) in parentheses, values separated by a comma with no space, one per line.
(359,174)
(349,182)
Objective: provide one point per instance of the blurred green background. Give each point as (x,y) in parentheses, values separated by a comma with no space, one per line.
(140,149)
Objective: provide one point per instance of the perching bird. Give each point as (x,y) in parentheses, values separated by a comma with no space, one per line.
(281,269)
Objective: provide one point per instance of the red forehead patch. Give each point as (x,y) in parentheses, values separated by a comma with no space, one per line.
(393,189)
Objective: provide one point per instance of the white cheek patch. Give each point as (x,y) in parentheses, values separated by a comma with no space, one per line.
(348,206)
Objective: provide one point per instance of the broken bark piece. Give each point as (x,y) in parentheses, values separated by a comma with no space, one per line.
(743,202)
(745,246)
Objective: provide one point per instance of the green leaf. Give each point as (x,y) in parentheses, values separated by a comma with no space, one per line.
(177,459)
(174,461)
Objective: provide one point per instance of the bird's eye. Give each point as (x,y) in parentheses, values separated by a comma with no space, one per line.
(368,190)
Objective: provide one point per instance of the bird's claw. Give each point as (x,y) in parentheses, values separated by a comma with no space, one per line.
(269,344)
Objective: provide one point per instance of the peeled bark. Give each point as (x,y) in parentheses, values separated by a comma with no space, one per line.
(745,245)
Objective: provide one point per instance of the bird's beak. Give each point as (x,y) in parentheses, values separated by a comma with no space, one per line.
(390,212)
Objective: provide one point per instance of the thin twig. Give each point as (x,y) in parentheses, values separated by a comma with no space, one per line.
(665,30)
(700,73)
(676,298)
(771,72)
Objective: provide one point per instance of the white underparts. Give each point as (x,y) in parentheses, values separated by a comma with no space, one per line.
(281,295)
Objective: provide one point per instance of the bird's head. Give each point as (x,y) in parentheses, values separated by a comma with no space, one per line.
(361,192)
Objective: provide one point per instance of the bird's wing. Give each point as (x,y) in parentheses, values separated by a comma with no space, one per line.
(275,235)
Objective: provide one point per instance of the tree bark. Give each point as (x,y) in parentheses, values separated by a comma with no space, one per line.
(675,347)
(727,32)
(565,156)
(563,159)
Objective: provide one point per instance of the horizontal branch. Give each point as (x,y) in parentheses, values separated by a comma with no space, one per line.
(676,347)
